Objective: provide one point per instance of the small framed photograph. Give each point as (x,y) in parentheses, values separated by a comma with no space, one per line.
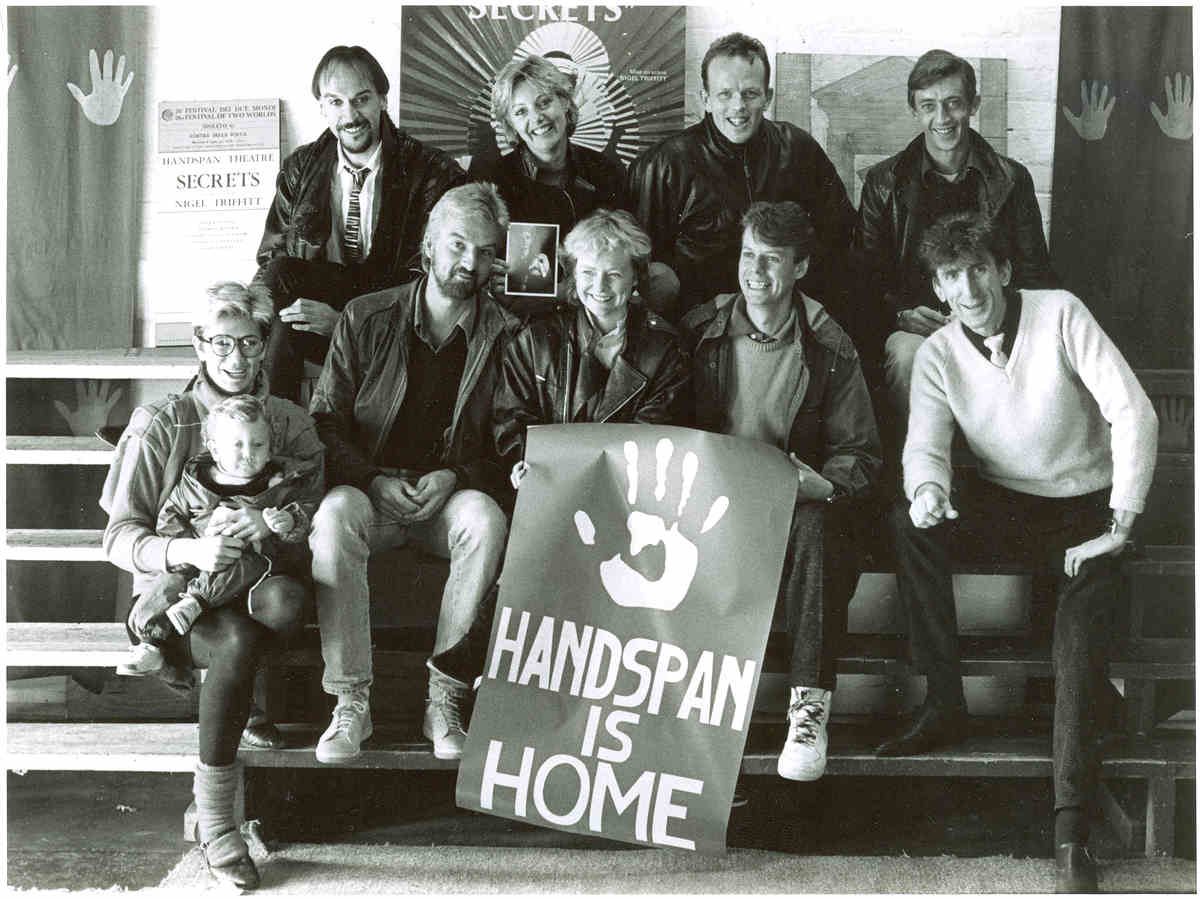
(532,259)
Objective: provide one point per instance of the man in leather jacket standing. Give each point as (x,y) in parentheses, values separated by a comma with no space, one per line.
(947,168)
(690,191)
(348,213)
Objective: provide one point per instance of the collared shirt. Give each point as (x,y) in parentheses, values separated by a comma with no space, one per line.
(1008,327)
(605,347)
(367,211)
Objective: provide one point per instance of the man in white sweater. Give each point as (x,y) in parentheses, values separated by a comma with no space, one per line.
(1066,441)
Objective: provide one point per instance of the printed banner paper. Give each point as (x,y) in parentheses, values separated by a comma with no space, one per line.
(635,602)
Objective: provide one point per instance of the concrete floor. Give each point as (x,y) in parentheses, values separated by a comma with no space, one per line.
(99,830)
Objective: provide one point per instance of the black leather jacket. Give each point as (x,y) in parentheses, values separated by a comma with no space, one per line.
(362,385)
(889,226)
(550,377)
(593,181)
(414,178)
(691,190)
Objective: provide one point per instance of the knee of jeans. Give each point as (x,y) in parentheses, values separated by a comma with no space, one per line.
(344,513)
(478,520)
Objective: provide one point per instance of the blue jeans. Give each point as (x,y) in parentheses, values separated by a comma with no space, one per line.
(470,530)
(997,524)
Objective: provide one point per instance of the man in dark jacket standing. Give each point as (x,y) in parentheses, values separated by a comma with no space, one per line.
(947,168)
(769,364)
(689,192)
(348,213)
(403,407)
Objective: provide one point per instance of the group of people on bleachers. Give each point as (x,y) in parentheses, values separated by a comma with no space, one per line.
(723,282)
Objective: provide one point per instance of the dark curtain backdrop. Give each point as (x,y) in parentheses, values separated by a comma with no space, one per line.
(1121,212)
(74,231)
(74,186)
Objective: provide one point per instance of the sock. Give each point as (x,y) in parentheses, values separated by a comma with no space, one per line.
(1070,825)
(184,613)
(358,695)
(215,789)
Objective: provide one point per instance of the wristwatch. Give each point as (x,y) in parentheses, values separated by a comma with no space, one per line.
(837,495)
(1115,529)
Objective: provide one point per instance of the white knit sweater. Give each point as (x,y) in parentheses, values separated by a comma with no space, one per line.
(1065,417)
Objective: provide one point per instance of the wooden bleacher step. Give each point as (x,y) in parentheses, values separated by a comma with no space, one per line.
(162,363)
(105,644)
(56,450)
(54,545)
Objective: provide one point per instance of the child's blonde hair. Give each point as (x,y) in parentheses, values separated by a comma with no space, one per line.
(245,408)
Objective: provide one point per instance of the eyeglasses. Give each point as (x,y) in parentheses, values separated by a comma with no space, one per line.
(222,344)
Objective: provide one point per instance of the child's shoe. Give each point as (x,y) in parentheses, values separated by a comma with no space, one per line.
(184,612)
(144,659)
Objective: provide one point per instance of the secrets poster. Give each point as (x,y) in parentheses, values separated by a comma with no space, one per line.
(627,62)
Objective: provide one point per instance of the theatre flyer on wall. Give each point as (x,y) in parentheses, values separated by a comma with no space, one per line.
(214,182)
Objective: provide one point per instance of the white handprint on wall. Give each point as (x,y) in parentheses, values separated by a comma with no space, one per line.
(103,105)
(626,586)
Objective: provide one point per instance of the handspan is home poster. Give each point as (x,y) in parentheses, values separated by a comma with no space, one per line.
(634,607)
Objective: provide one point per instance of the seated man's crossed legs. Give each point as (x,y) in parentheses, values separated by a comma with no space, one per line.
(470,530)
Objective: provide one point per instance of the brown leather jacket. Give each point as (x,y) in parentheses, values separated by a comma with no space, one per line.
(362,385)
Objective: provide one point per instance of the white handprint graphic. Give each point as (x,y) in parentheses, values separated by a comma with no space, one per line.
(103,105)
(627,587)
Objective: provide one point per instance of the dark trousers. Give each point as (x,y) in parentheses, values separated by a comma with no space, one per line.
(290,279)
(820,571)
(994,525)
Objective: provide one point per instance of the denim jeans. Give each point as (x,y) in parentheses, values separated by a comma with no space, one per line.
(820,570)
(998,524)
(470,530)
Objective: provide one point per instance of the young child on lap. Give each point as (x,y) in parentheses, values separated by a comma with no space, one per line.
(237,471)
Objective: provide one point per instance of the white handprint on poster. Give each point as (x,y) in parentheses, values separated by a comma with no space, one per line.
(625,585)
(635,602)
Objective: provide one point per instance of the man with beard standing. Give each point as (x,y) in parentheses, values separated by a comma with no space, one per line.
(348,213)
(403,406)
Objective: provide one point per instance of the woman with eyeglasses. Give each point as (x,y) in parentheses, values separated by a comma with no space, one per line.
(229,640)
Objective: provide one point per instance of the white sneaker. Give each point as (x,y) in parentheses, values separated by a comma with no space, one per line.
(349,728)
(803,755)
(143,659)
(443,724)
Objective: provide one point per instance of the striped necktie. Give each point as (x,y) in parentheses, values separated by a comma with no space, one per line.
(353,237)
(993,343)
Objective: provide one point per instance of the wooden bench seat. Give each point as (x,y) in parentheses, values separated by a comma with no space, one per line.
(402,649)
